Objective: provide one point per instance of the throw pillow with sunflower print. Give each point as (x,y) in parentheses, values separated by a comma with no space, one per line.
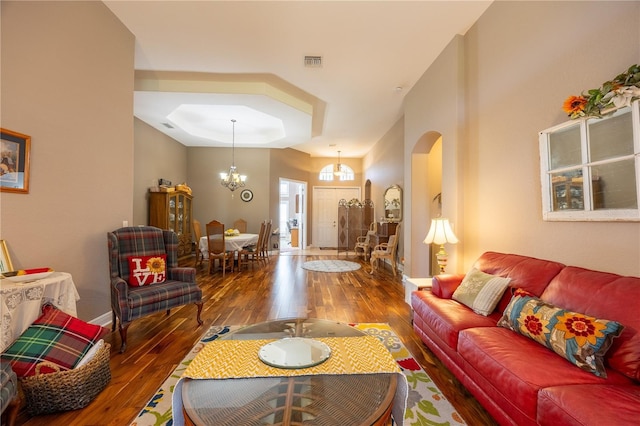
(145,270)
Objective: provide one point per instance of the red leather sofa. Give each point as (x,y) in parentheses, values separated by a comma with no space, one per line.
(518,380)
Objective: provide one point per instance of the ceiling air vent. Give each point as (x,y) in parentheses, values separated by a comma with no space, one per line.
(313,61)
(167,125)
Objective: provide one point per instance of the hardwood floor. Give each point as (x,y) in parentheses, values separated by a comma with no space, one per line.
(282,289)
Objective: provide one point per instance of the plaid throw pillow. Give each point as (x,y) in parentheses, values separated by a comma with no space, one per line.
(56,337)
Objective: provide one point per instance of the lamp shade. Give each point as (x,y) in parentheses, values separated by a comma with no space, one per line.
(440,232)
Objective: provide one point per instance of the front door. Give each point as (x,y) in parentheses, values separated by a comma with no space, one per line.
(325,213)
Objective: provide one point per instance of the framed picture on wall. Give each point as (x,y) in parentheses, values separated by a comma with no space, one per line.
(14,161)
(5,260)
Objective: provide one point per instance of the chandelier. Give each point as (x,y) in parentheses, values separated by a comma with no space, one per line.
(337,171)
(232,180)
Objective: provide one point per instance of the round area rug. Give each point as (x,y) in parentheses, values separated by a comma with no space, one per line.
(331,266)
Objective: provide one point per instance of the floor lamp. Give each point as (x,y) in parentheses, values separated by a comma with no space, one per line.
(441,233)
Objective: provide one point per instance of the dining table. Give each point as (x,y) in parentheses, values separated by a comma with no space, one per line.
(232,243)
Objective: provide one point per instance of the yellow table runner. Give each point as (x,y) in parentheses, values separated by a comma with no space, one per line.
(227,359)
(234,359)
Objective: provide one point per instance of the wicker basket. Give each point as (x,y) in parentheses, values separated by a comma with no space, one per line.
(67,390)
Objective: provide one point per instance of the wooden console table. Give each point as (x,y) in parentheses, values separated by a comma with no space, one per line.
(20,303)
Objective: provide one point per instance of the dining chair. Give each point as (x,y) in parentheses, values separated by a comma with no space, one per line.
(197,232)
(386,251)
(264,244)
(217,247)
(251,254)
(161,286)
(240,225)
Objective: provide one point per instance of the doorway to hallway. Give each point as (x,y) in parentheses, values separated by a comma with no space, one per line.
(292,220)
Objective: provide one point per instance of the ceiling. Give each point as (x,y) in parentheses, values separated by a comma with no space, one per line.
(200,64)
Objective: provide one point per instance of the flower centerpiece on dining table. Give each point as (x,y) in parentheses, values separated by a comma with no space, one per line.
(231,232)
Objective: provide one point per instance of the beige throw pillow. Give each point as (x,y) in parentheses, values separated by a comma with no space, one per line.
(481,291)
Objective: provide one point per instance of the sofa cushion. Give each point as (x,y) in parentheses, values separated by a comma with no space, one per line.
(581,339)
(55,337)
(145,270)
(511,369)
(603,295)
(446,317)
(154,298)
(529,273)
(578,405)
(481,291)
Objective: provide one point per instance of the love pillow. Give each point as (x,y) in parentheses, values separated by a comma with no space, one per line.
(145,270)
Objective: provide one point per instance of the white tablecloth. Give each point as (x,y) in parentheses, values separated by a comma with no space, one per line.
(234,243)
(20,303)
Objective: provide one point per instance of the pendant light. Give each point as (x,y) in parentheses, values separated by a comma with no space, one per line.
(232,180)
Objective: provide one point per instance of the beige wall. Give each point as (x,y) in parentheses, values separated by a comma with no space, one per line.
(67,81)
(156,156)
(434,108)
(383,166)
(520,61)
(288,164)
(213,201)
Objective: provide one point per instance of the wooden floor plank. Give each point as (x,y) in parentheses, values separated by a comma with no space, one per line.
(281,289)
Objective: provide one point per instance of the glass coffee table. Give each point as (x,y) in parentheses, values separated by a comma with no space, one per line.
(328,399)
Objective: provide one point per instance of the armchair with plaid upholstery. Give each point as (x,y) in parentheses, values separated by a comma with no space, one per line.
(131,302)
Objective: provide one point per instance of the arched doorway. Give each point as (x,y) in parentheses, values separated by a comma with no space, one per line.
(426,184)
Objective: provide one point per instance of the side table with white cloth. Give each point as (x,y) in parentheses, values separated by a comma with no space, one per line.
(233,243)
(414,284)
(21,302)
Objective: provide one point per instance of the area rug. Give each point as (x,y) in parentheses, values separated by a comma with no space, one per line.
(330,266)
(425,405)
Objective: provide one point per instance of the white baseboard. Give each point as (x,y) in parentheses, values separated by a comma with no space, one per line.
(103,320)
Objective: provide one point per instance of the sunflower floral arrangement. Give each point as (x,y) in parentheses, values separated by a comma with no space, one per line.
(617,93)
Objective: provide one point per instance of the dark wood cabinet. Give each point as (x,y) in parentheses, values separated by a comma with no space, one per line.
(172,211)
(385,229)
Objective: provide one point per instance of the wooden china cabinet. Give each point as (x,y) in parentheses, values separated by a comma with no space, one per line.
(172,211)
(569,195)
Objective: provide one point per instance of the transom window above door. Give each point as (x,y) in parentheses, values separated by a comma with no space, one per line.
(329,173)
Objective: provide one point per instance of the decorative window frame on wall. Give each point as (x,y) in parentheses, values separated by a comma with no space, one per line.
(590,168)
